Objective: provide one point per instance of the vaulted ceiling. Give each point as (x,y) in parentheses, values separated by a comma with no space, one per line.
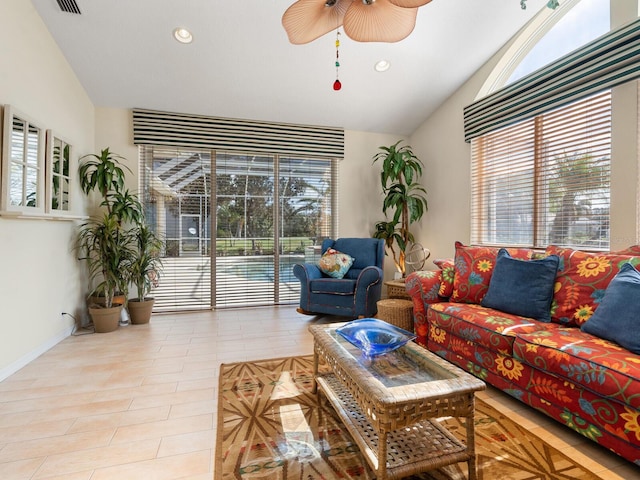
(241,65)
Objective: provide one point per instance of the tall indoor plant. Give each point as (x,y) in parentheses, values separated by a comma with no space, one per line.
(109,242)
(404,199)
(107,251)
(145,272)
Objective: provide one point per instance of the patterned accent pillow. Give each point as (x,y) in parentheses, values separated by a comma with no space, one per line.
(473,269)
(447,266)
(334,263)
(582,279)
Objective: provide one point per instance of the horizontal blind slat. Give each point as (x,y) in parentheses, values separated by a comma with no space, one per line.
(518,188)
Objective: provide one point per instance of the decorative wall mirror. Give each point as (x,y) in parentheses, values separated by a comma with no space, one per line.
(58,179)
(22,164)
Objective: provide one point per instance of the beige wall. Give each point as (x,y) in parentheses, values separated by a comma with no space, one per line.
(439,142)
(40,277)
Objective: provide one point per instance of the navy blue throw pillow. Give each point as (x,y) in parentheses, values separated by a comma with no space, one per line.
(522,287)
(617,318)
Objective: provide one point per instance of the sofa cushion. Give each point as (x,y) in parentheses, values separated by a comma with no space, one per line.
(522,287)
(617,318)
(333,286)
(493,329)
(447,266)
(594,363)
(473,269)
(335,263)
(581,282)
(632,250)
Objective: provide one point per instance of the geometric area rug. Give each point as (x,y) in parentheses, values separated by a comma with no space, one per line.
(270,427)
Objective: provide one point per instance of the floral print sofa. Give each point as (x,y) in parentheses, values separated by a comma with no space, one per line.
(586,382)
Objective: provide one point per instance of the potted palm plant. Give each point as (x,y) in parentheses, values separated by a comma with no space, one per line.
(405,199)
(107,250)
(106,242)
(144,272)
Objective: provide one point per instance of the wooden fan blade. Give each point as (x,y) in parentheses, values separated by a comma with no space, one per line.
(306,20)
(410,3)
(380,21)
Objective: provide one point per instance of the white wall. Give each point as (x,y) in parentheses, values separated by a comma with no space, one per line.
(39,275)
(439,142)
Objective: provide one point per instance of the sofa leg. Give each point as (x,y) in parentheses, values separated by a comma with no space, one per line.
(304,312)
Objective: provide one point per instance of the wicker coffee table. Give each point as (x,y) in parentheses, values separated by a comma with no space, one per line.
(390,404)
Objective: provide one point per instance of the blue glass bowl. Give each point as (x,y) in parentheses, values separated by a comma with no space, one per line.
(374,337)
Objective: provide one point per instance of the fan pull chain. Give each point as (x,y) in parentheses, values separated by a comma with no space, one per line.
(337,85)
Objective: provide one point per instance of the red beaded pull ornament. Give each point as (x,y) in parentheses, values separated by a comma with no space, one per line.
(337,85)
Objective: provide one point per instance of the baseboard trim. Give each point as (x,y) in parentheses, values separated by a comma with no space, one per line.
(31,356)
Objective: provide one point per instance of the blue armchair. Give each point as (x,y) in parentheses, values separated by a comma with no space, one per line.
(357,293)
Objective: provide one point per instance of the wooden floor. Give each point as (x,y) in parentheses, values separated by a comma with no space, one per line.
(140,403)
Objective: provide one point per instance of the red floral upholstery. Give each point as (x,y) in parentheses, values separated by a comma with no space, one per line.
(423,288)
(632,250)
(473,269)
(447,266)
(610,418)
(589,384)
(493,329)
(612,425)
(581,282)
(593,363)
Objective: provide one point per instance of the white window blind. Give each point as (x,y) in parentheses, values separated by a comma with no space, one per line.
(545,180)
(265,226)
(232,237)
(176,195)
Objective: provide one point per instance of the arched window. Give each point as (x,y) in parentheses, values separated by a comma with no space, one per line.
(586,21)
(541,170)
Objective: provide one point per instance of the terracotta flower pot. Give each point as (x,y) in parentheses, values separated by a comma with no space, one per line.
(105,319)
(140,311)
(99,300)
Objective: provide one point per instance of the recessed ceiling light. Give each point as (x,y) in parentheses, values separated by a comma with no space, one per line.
(382,66)
(182,35)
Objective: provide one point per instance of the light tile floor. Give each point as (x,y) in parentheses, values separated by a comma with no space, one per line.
(140,402)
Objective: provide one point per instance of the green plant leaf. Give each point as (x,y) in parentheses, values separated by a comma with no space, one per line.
(405,199)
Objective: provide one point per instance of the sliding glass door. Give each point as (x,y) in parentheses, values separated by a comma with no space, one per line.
(245,254)
(262,226)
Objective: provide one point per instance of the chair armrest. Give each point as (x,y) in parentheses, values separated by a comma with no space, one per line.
(368,291)
(423,287)
(368,276)
(305,272)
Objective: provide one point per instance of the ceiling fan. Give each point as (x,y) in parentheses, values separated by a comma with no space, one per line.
(362,20)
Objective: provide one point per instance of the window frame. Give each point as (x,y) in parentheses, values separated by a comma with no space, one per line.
(10,114)
(50,175)
(226,292)
(529,157)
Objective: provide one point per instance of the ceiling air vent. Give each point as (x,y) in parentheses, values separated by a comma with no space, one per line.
(69,6)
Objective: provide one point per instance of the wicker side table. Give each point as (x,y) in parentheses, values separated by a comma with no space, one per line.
(396,311)
(396,289)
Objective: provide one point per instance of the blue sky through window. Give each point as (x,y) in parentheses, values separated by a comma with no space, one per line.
(588,20)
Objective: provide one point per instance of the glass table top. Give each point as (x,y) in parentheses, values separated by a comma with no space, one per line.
(401,367)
